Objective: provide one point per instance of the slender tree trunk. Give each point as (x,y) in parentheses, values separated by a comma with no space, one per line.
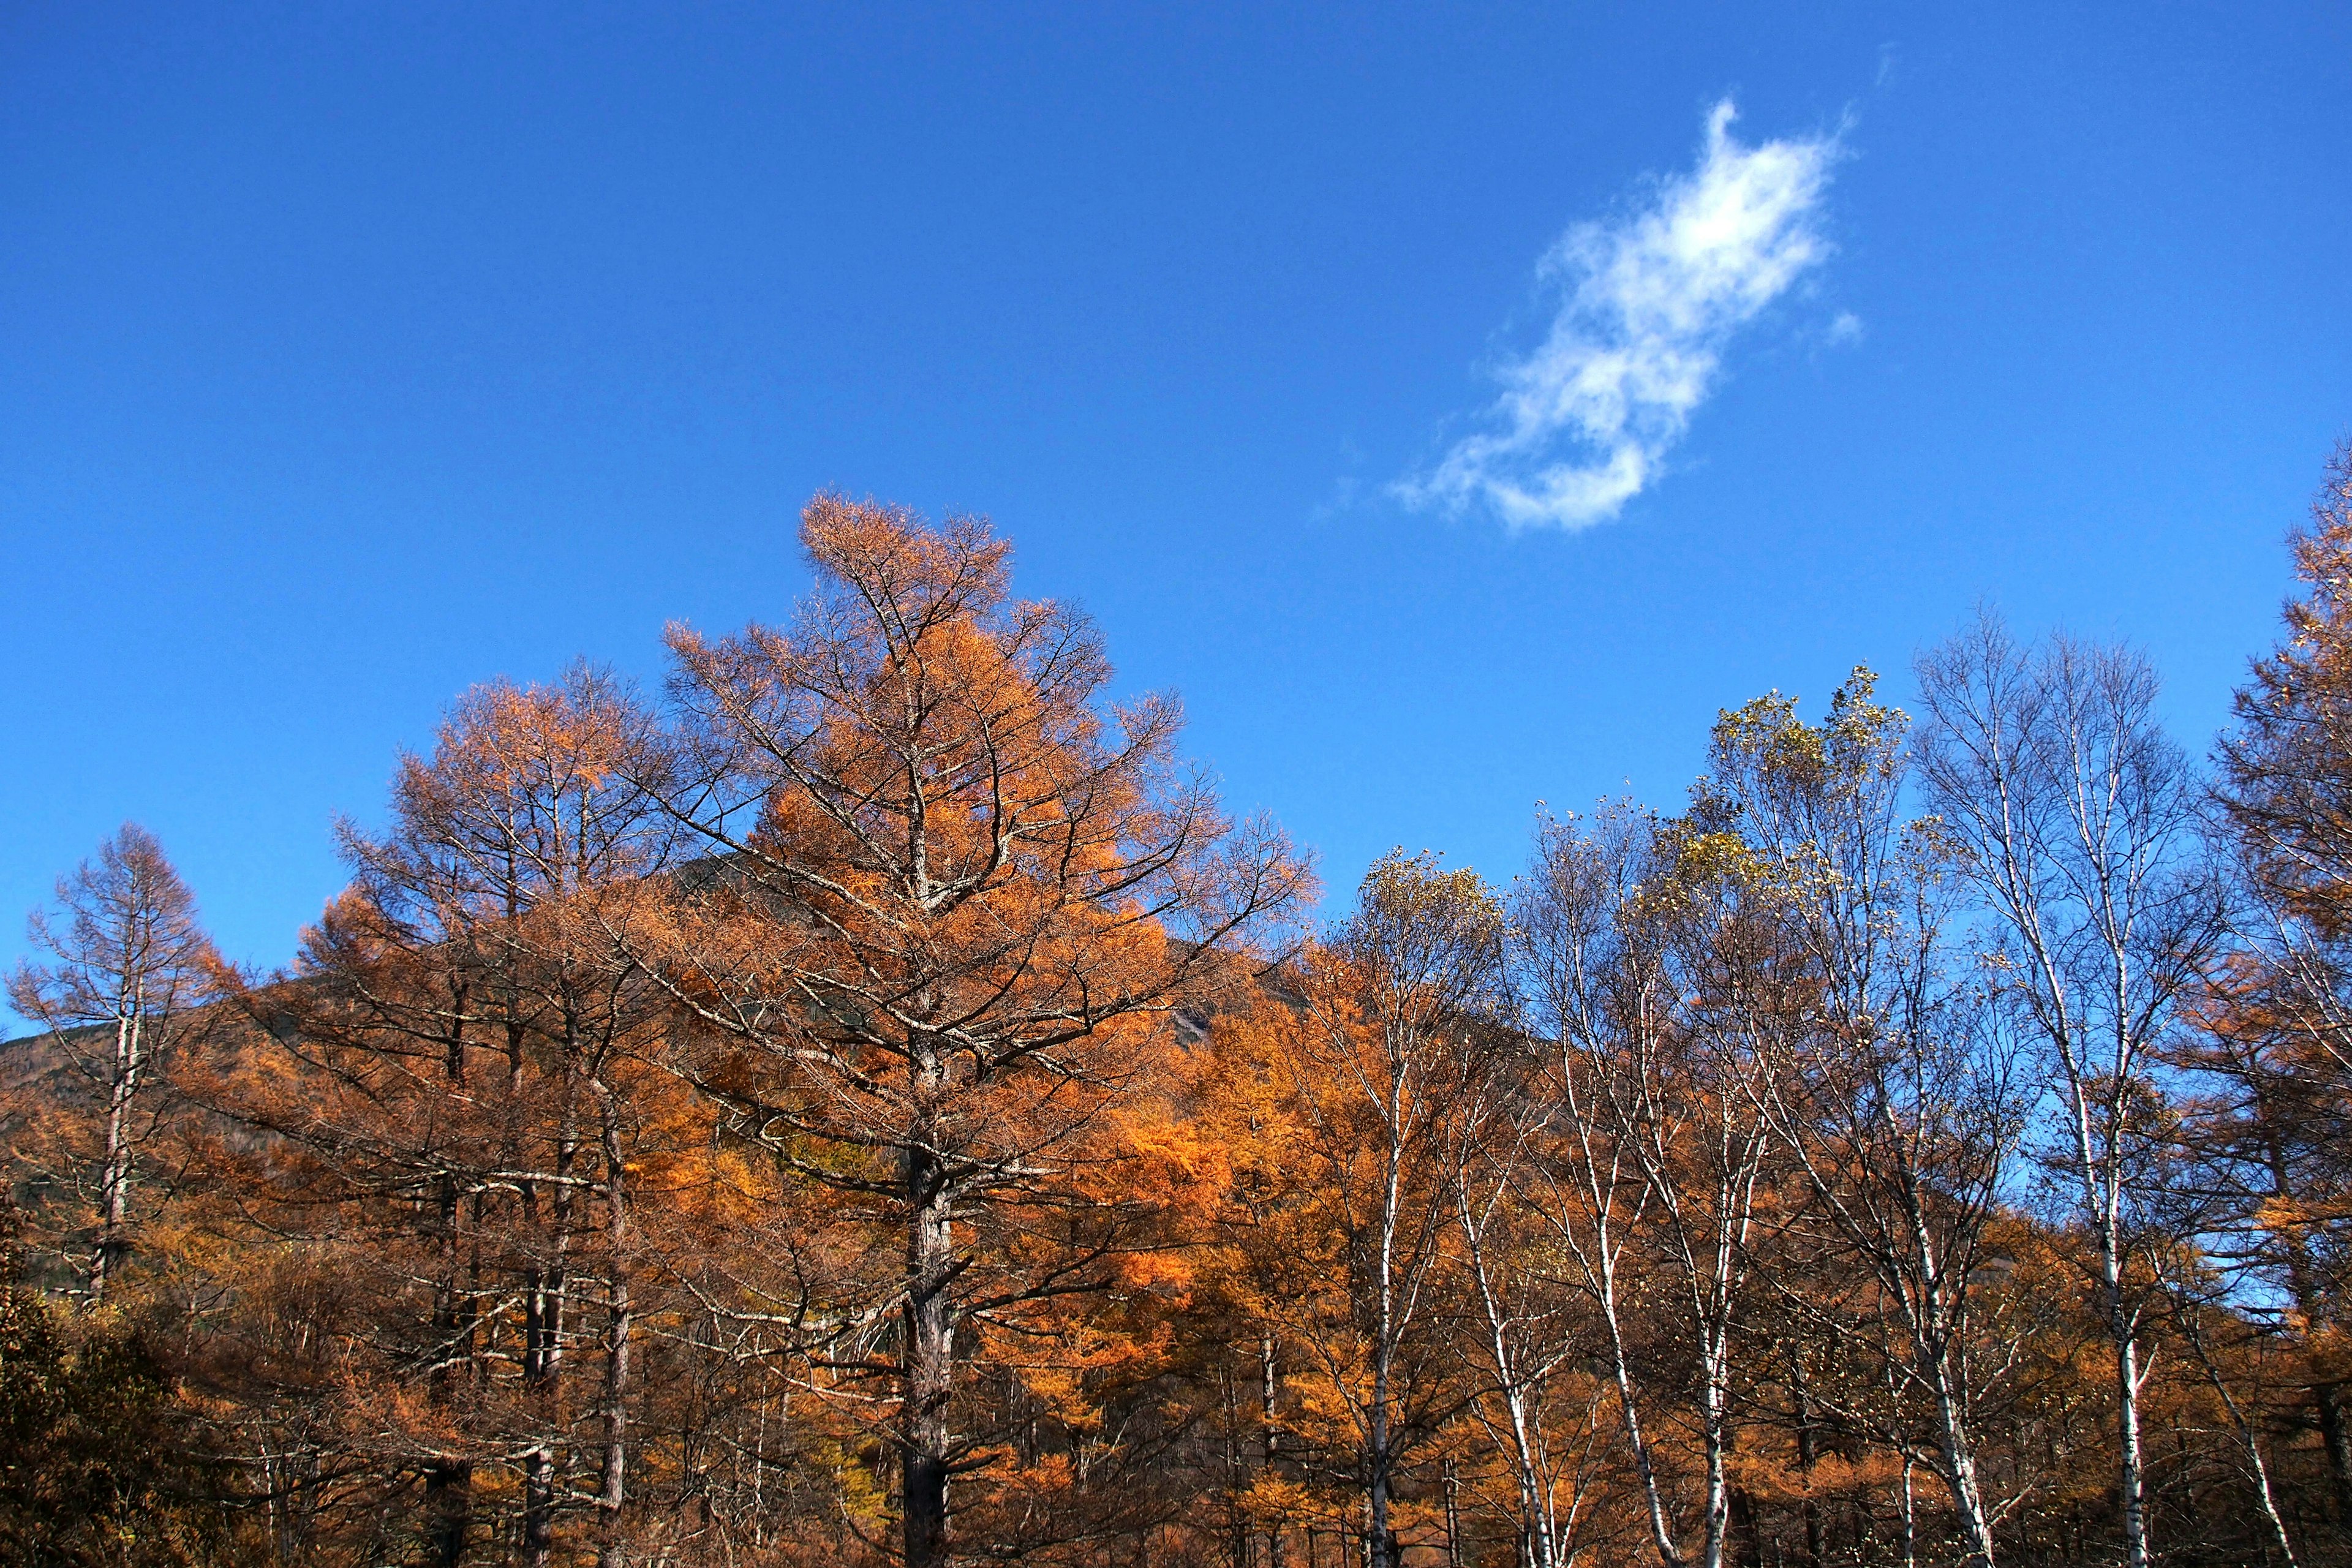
(612,1493)
(1808,1454)
(2131,1469)
(1662,1535)
(1535,1510)
(1600,1270)
(543,1329)
(1932,1333)
(449,1481)
(1961,1469)
(1269,1386)
(2249,1436)
(114,1167)
(1452,1517)
(1718,1493)
(2130,1464)
(1910,1519)
(541,1333)
(2102,1182)
(1380,1545)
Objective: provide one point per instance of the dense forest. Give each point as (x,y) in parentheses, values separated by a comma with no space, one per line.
(870,1102)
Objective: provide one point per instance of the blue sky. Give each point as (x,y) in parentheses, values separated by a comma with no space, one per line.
(349,355)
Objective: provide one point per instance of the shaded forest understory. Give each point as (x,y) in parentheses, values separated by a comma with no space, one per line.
(871,1104)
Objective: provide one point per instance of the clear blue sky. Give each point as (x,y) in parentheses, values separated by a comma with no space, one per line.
(351,354)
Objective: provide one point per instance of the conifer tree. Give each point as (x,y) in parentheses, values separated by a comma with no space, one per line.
(950,893)
(125,975)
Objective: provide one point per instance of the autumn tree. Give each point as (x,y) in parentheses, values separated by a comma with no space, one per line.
(122,981)
(1405,1024)
(2075,818)
(877,1105)
(1649,957)
(951,889)
(457,1100)
(96,1466)
(1598,985)
(2285,790)
(1902,1100)
(1536,1401)
(2274,1054)
(1352,1097)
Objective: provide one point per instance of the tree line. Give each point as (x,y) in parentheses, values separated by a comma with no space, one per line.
(873,1104)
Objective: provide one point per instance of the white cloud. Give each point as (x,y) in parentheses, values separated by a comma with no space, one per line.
(1647,304)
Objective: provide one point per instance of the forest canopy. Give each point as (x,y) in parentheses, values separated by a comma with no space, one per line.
(871,1102)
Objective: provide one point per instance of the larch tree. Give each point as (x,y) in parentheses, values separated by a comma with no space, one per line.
(879,1107)
(2278,1016)
(124,973)
(455,1096)
(1276,1277)
(950,892)
(2285,791)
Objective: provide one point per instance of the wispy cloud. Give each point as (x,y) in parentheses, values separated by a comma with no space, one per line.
(1647,302)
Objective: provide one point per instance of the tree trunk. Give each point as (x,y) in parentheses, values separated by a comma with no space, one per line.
(1718,1493)
(2130,1466)
(1662,1535)
(1745,1530)
(1452,1517)
(1960,1470)
(538,1507)
(929,1344)
(114,1170)
(449,1512)
(2247,1434)
(612,1493)
(1380,1545)
(543,1330)
(1268,1387)
(1808,1454)
(449,1481)
(1910,1519)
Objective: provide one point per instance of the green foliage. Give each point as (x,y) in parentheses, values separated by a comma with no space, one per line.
(91,1469)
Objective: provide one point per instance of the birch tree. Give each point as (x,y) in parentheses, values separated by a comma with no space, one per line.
(1399,1032)
(1901,1100)
(1637,952)
(1539,1408)
(2076,816)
